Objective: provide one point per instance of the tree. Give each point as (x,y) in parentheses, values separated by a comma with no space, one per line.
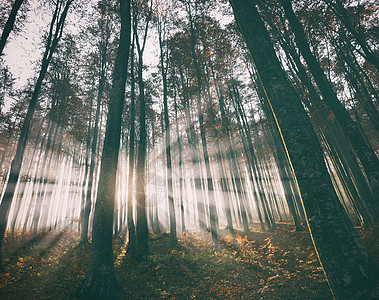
(54,35)
(328,129)
(365,153)
(340,251)
(341,12)
(6,84)
(180,150)
(180,55)
(9,24)
(100,279)
(162,34)
(104,31)
(62,89)
(212,206)
(131,226)
(142,10)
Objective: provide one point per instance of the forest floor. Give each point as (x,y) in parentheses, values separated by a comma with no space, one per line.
(262,265)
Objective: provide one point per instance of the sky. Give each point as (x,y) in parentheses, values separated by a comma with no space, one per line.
(24,50)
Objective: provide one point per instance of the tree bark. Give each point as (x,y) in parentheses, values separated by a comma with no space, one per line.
(100,280)
(142,232)
(179,142)
(9,24)
(86,168)
(368,158)
(170,194)
(88,202)
(349,270)
(331,129)
(131,227)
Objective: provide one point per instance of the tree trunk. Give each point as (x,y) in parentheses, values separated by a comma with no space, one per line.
(179,141)
(141,228)
(349,270)
(100,280)
(88,142)
(88,202)
(131,227)
(170,194)
(9,24)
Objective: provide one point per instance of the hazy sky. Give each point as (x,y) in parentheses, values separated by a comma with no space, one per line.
(24,49)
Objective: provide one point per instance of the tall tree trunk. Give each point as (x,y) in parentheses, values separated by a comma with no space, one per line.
(179,142)
(141,226)
(142,232)
(100,280)
(88,202)
(170,194)
(131,227)
(279,154)
(349,270)
(88,142)
(9,24)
